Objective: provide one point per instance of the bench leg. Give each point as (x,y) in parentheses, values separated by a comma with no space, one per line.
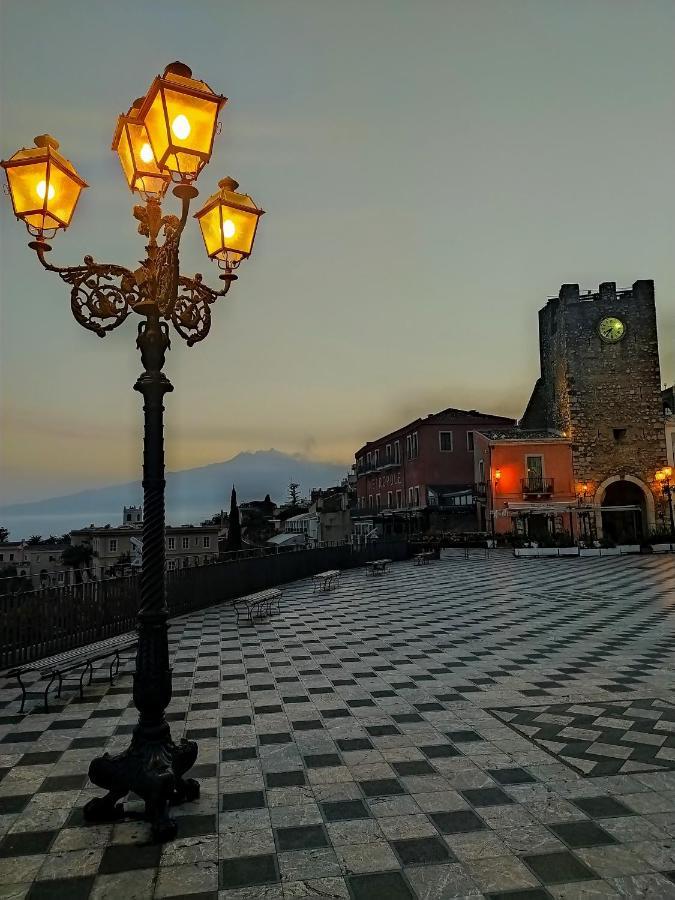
(23,691)
(83,676)
(91,673)
(47,690)
(58,693)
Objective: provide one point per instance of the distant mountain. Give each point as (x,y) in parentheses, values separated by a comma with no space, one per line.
(191,494)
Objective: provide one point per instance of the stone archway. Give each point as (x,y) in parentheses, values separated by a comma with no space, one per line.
(626,525)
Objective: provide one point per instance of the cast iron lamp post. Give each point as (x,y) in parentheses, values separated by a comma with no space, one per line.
(663,477)
(166,136)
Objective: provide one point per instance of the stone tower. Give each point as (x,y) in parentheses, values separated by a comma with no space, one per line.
(600,385)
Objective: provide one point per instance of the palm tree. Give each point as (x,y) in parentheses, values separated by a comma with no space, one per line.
(34,539)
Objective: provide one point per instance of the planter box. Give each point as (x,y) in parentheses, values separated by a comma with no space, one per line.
(610,551)
(590,551)
(526,551)
(547,551)
(628,548)
(568,551)
(662,548)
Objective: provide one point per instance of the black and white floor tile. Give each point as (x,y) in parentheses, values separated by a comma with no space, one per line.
(472,728)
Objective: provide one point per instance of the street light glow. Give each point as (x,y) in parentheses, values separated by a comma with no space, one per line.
(228,228)
(146,153)
(181,127)
(41,190)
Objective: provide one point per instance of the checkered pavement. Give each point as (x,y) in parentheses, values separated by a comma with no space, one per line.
(473,728)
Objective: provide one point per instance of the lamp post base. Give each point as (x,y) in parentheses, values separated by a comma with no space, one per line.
(152,767)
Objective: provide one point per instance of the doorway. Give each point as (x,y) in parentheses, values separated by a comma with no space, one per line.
(623,512)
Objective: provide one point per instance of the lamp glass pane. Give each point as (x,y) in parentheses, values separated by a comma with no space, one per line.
(155,124)
(211,231)
(126,159)
(27,183)
(61,201)
(238,229)
(192,121)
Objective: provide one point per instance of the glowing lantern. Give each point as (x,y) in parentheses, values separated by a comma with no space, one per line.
(180,115)
(667,471)
(498,475)
(228,222)
(133,146)
(660,476)
(44,186)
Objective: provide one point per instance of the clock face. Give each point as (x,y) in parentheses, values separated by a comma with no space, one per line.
(611,329)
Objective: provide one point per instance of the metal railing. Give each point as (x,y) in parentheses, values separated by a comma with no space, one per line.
(39,623)
(535,484)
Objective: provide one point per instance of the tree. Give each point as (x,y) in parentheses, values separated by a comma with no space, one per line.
(293,495)
(234,531)
(75,557)
(4,534)
(34,539)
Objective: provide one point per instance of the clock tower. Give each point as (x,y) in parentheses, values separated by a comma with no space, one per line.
(600,385)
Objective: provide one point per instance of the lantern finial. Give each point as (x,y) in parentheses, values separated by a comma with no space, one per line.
(178,68)
(228,184)
(46,140)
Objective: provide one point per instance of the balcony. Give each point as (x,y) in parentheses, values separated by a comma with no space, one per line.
(536,487)
(480,489)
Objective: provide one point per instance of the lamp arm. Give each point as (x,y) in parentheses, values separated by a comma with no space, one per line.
(97,302)
(190,313)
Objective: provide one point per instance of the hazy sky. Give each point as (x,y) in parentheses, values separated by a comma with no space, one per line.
(432,172)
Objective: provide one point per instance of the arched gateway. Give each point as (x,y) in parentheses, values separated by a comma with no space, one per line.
(625,509)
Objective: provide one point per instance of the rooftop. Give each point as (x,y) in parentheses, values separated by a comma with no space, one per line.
(522,434)
(458,730)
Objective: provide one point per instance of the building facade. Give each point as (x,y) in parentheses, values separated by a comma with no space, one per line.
(525,484)
(185,545)
(600,388)
(423,473)
(41,563)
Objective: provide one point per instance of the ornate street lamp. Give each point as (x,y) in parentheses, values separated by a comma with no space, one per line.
(663,477)
(167,136)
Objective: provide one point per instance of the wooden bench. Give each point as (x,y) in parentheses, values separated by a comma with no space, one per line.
(323,581)
(258,605)
(425,557)
(62,664)
(377,566)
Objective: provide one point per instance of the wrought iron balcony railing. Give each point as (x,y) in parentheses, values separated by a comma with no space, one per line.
(538,486)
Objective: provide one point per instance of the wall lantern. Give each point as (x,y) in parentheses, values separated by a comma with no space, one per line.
(43,185)
(228,221)
(133,146)
(498,475)
(660,476)
(180,114)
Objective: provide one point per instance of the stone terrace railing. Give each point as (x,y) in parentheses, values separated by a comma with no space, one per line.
(50,620)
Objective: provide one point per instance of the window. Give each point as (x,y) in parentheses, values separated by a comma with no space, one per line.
(389,499)
(619,434)
(535,472)
(171,564)
(11,557)
(377,458)
(368,459)
(171,543)
(378,501)
(481,471)
(185,543)
(112,545)
(399,499)
(469,441)
(2,557)
(128,517)
(59,577)
(370,501)
(207,540)
(412,445)
(410,496)
(387,454)
(417,496)
(445,441)
(397,452)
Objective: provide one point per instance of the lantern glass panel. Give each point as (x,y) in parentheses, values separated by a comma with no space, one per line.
(155,123)
(211,231)
(238,229)
(27,184)
(126,159)
(66,191)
